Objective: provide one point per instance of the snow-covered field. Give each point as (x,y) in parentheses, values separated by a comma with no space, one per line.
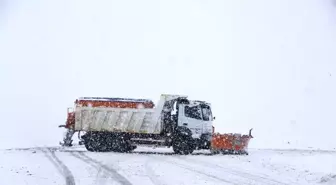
(266,65)
(146,166)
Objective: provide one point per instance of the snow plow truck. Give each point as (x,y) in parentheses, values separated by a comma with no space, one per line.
(121,124)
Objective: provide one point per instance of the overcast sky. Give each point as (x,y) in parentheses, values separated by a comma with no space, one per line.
(267,65)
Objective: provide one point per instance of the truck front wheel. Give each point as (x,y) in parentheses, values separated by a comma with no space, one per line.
(183,142)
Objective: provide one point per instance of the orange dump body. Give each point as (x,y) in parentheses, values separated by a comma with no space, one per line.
(107,102)
(114,104)
(230,142)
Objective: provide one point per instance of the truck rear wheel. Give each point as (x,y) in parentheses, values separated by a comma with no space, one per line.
(95,142)
(121,144)
(106,142)
(91,143)
(91,146)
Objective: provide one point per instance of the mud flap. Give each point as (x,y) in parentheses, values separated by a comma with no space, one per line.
(67,140)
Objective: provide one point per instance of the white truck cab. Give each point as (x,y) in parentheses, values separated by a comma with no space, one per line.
(190,118)
(196,116)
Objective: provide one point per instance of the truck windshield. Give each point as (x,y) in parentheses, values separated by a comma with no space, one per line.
(193,112)
(207,115)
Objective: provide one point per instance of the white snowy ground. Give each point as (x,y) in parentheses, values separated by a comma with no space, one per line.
(148,166)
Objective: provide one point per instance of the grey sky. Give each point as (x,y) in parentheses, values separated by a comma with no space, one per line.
(262,64)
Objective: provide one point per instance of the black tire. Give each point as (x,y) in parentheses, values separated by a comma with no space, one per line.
(91,142)
(183,142)
(214,152)
(120,144)
(95,142)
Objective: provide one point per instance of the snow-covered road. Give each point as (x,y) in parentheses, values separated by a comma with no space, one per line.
(146,166)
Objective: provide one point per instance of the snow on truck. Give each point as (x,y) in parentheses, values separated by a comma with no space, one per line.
(120,124)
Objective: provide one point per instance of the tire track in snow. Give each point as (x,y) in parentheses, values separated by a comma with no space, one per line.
(195,171)
(96,164)
(236,172)
(150,172)
(100,177)
(60,166)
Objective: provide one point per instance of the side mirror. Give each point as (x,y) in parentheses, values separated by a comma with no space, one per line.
(214,118)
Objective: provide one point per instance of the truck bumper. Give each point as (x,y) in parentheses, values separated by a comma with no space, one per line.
(204,142)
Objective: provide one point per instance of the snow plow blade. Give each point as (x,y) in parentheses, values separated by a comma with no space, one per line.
(230,143)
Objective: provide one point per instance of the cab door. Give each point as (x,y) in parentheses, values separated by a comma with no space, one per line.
(207,119)
(191,117)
